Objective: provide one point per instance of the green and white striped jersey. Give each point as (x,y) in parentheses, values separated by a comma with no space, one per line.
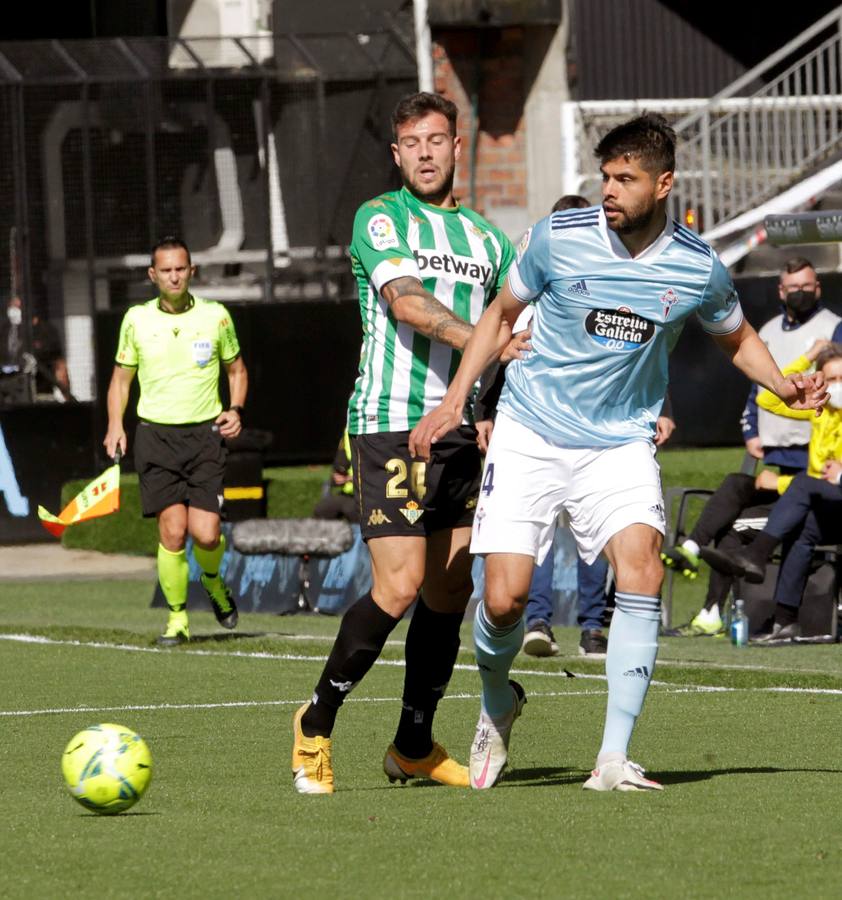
(459,257)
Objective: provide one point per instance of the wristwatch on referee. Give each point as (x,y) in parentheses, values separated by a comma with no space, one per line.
(237,409)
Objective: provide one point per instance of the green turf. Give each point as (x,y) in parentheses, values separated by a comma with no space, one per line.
(752,775)
(293,491)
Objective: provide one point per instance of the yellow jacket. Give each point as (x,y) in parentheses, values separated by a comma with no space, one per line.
(826,436)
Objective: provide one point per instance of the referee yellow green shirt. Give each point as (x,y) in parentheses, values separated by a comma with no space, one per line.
(177,358)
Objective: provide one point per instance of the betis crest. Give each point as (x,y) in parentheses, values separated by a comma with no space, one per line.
(412,512)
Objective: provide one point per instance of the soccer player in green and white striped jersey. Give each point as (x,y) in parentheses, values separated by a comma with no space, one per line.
(426,268)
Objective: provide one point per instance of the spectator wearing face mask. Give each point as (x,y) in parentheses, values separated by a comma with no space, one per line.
(37,355)
(777,440)
(809,512)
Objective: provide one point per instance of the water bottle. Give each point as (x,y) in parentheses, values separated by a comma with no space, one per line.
(739,624)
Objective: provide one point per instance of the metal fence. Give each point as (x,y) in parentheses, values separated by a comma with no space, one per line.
(766,132)
(255,150)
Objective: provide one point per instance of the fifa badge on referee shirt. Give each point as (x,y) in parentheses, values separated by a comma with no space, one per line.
(411,512)
(202,352)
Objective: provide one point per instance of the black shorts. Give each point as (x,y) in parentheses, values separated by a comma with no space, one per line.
(399,495)
(179,464)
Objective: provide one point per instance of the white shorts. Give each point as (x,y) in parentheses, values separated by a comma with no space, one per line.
(528,481)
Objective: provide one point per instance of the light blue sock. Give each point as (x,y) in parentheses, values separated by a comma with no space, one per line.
(495,650)
(629,663)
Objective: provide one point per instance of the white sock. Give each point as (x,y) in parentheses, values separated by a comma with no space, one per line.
(691,546)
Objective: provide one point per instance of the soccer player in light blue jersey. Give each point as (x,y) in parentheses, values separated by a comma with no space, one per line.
(612,288)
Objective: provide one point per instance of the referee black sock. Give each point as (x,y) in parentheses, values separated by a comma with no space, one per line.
(360,640)
(432,644)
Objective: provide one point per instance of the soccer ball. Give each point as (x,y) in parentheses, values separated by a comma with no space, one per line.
(107,768)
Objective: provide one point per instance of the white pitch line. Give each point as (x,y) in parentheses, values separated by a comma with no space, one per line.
(243,654)
(575,657)
(242,704)
(253,704)
(263,654)
(399,663)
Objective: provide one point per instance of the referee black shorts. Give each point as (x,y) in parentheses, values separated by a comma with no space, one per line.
(402,496)
(179,464)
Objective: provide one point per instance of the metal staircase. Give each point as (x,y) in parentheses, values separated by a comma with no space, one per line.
(758,138)
(739,151)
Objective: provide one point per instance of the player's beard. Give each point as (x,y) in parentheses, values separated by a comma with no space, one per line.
(433,193)
(634,220)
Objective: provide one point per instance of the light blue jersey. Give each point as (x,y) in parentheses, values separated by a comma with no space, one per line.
(604,326)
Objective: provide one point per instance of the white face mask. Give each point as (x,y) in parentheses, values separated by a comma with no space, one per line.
(15,315)
(835,391)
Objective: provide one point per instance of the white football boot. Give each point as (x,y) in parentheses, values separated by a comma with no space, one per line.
(620,775)
(490,749)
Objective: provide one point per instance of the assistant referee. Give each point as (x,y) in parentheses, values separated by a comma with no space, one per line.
(175,344)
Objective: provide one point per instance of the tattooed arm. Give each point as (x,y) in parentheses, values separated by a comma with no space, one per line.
(410,302)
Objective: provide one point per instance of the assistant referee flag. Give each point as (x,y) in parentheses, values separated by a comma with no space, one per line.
(98,498)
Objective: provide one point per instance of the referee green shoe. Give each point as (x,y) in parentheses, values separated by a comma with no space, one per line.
(177,631)
(224,607)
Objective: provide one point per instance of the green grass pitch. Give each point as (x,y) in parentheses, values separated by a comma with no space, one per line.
(746,742)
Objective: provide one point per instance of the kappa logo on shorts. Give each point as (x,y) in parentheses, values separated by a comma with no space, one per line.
(471,503)
(378,517)
(412,512)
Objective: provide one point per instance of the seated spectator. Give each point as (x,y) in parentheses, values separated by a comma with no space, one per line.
(338,501)
(778,440)
(37,354)
(810,509)
(51,379)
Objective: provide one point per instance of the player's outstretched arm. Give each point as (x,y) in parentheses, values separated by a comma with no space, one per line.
(751,356)
(412,303)
(491,335)
(117,400)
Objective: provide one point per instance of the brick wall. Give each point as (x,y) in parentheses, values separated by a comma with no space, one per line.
(487,64)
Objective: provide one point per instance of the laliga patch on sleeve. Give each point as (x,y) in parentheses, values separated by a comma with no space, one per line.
(381,230)
(524,243)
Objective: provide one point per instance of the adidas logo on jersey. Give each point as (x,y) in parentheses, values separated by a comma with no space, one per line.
(378,517)
(579,288)
(637,672)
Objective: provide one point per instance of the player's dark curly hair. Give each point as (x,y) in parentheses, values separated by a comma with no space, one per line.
(417,105)
(648,138)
